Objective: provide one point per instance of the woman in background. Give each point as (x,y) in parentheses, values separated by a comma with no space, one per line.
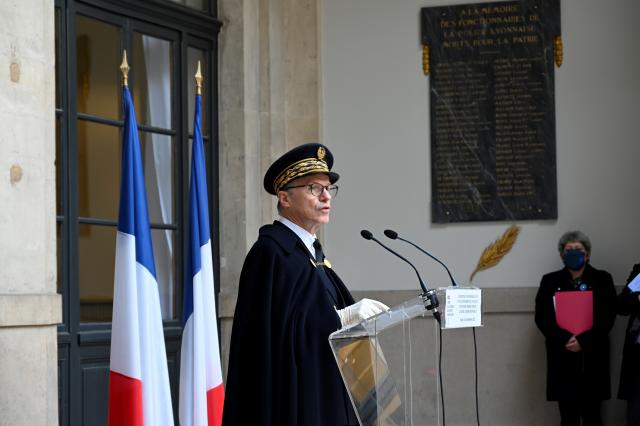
(577,366)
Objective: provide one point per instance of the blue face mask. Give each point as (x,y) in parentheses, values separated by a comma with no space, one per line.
(574,259)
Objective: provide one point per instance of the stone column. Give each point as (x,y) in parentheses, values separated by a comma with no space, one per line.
(269,102)
(29,305)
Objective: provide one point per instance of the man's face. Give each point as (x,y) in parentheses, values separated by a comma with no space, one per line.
(303,208)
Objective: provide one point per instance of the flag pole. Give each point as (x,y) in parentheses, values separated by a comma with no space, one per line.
(139,387)
(124,69)
(198,77)
(201,400)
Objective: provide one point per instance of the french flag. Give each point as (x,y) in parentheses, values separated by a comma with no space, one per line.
(201,388)
(139,391)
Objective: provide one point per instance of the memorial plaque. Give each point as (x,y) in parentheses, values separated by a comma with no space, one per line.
(493,153)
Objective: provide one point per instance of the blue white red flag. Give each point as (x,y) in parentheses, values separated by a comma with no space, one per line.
(201,388)
(139,391)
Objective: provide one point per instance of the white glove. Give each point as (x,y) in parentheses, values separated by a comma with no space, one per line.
(359,311)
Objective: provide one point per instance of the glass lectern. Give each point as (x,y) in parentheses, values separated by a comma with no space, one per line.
(387,361)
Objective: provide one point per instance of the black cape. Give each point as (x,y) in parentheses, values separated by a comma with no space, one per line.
(628,304)
(281,368)
(580,375)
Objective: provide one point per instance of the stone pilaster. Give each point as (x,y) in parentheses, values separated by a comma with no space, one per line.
(269,102)
(29,305)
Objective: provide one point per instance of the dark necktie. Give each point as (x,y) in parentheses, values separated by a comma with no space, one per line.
(319,253)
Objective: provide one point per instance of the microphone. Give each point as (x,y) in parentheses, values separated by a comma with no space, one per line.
(394,236)
(429,295)
(367,235)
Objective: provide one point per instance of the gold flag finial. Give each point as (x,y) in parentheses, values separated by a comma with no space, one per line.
(124,68)
(558,52)
(198,77)
(425,59)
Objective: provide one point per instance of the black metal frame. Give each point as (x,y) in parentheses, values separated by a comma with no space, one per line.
(83,348)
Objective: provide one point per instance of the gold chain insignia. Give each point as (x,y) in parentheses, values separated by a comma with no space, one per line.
(323,263)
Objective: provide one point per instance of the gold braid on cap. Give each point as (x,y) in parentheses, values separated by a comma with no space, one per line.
(298,169)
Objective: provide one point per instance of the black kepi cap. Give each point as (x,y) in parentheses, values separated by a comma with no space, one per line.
(303,160)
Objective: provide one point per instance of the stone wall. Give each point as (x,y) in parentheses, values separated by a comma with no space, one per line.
(29,305)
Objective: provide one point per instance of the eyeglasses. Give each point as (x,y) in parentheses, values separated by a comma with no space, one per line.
(317,189)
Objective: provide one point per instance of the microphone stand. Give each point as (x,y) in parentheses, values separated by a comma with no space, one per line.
(428,296)
(394,236)
(430,300)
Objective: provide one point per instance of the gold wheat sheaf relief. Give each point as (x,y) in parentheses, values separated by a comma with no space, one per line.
(494,252)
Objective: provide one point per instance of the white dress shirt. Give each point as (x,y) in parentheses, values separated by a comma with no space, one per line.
(307,238)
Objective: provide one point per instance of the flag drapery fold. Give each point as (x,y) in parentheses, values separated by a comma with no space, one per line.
(201,387)
(139,393)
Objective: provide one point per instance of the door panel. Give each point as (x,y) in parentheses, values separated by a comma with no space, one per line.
(95,395)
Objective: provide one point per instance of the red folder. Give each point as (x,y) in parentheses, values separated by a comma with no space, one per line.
(574,311)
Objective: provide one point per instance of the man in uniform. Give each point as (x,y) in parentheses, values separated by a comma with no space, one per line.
(281,368)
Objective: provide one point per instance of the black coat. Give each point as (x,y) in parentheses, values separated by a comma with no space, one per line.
(584,374)
(628,304)
(281,368)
